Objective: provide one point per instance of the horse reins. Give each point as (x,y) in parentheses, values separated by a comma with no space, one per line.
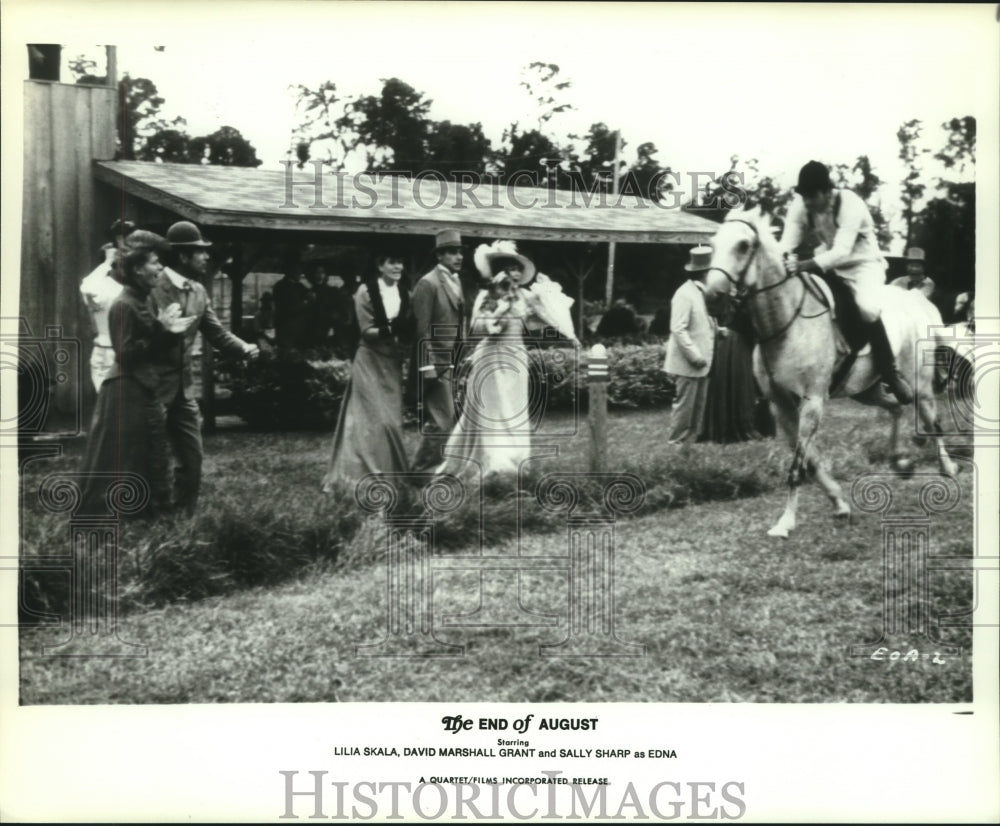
(738,283)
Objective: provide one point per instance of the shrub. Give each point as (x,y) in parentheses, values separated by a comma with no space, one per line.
(637,377)
(289,392)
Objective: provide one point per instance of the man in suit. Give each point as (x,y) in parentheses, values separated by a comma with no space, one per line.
(289,305)
(689,350)
(182,286)
(439,313)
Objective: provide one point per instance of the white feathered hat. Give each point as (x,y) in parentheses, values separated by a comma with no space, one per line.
(486,254)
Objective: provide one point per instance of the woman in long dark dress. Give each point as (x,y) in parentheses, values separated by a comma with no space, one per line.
(128,434)
(369,434)
(733,410)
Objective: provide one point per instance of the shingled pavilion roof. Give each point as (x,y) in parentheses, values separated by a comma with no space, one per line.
(226,196)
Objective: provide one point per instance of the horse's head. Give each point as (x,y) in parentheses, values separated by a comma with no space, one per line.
(735,248)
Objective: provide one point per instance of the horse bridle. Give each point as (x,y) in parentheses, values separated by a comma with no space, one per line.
(739,282)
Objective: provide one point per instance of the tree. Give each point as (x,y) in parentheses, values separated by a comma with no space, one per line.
(392,127)
(596,165)
(531,150)
(542,82)
(166,146)
(317,133)
(960,150)
(741,183)
(524,152)
(946,230)
(455,147)
(139,105)
(224,147)
(913,188)
(862,180)
(652,179)
(82,68)
(946,227)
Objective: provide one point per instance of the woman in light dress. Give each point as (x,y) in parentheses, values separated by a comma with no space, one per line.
(498,412)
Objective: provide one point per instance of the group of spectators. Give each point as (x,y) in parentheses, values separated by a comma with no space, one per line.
(308,309)
(147,303)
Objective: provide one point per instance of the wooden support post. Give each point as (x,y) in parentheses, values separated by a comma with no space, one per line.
(112,73)
(609,285)
(208,385)
(597,407)
(236,275)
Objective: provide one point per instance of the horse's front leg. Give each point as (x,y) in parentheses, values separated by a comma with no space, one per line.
(898,460)
(787,413)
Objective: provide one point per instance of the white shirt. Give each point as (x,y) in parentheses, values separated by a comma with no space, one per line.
(390,299)
(100,289)
(178,280)
(848,237)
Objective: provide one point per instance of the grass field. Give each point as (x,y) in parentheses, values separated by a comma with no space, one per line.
(723,612)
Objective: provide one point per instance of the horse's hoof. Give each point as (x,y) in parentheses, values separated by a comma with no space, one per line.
(903,467)
(950,470)
(842,515)
(779,532)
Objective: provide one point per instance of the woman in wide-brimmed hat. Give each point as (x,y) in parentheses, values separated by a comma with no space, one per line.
(369,433)
(493,434)
(127,440)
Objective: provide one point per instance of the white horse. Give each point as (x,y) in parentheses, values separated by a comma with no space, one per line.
(797,351)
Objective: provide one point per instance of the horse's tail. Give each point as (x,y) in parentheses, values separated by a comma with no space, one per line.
(944,348)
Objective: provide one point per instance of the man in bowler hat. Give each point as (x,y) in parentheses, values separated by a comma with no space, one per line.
(181,285)
(439,312)
(690,349)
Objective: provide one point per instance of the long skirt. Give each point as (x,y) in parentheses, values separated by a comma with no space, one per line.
(493,434)
(127,436)
(732,392)
(369,434)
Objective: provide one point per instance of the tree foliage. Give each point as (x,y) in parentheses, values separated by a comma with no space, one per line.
(912,185)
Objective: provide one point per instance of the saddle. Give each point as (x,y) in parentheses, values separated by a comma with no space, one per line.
(850,330)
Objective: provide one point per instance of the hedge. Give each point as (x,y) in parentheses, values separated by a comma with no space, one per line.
(291,392)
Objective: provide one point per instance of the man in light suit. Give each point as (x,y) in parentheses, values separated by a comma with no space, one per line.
(690,349)
(439,312)
(175,390)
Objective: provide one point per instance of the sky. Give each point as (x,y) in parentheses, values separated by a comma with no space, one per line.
(780,83)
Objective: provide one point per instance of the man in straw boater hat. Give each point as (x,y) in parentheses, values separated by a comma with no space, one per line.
(915,278)
(690,349)
(850,251)
(439,315)
(182,286)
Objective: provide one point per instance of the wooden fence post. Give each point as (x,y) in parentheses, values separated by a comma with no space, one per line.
(597,407)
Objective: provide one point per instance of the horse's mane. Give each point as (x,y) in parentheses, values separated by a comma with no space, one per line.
(761,220)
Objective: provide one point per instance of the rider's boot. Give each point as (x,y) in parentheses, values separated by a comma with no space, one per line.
(885,362)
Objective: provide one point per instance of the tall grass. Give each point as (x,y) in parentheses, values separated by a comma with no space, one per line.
(263,520)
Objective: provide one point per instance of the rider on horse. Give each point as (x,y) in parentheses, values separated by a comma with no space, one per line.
(851,252)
